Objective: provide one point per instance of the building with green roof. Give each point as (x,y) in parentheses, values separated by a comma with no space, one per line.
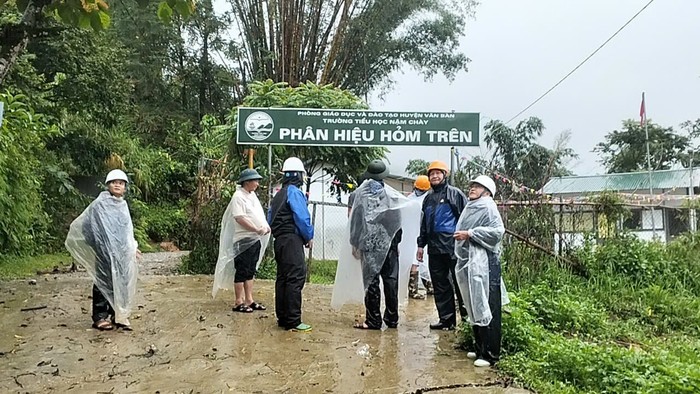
(658,201)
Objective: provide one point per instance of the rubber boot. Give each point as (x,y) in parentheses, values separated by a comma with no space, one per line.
(413,287)
(428,286)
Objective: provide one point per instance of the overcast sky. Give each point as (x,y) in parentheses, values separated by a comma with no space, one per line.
(520,48)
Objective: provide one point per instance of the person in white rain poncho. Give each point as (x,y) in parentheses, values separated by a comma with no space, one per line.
(478,242)
(102,240)
(419,269)
(379,219)
(242,243)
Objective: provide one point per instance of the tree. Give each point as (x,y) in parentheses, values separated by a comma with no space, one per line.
(417,167)
(87,14)
(625,150)
(22,220)
(517,155)
(353,45)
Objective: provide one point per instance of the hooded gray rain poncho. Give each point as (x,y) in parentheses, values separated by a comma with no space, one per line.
(472,271)
(230,246)
(102,240)
(378,212)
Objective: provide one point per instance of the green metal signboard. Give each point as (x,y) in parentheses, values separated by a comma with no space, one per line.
(343,127)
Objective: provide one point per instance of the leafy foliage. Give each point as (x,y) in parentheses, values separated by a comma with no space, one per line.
(625,150)
(353,46)
(417,167)
(630,325)
(516,153)
(22,222)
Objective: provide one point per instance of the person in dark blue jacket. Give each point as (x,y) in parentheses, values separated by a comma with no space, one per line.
(441,209)
(291,227)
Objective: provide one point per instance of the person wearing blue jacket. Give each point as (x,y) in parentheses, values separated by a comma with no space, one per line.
(291,227)
(442,207)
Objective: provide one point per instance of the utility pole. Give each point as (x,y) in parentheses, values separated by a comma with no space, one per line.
(643,114)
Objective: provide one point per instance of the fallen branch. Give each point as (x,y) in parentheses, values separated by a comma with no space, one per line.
(573,264)
(33,308)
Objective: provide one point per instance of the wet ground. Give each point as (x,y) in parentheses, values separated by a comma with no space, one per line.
(185,342)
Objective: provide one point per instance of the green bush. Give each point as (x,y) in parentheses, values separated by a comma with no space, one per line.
(629,257)
(268,268)
(566,309)
(629,324)
(23,222)
(205,229)
(167,222)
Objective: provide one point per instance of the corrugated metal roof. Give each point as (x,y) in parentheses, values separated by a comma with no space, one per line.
(635,181)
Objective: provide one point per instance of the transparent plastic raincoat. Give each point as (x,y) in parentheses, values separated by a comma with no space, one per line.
(230,246)
(423,269)
(377,214)
(472,271)
(102,240)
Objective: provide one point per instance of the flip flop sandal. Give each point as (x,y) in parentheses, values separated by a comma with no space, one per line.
(103,325)
(123,327)
(257,307)
(364,326)
(243,308)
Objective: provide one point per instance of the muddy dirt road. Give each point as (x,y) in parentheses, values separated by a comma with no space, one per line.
(183,342)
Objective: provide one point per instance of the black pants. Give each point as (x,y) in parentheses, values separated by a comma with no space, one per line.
(442,274)
(101,308)
(488,339)
(390,280)
(291,275)
(245,263)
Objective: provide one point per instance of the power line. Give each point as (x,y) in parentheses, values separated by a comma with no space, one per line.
(582,62)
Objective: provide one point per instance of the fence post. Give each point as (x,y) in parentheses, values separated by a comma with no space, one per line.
(561,219)
(311,249)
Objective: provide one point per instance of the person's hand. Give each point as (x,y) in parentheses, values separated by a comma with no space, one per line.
(267,230)
(419,254)
(310,244)
(356,253)
(461,235)
(139,255)
(262,230)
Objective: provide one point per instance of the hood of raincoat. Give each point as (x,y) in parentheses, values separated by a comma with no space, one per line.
(102,240)
(377,214)
(481,216)
(231,245)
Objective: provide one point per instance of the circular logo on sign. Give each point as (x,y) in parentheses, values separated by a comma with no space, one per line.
(259,125)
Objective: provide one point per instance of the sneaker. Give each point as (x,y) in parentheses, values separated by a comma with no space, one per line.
(471,355)
(301,328)
(481,363)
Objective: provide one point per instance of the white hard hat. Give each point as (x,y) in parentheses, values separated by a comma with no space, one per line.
(116,175)
(486,182)
(293,164)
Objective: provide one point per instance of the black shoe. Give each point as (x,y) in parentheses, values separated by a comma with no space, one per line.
(442,326)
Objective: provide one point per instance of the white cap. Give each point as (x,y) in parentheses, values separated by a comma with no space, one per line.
(293,164)
(116,175)
(486,182)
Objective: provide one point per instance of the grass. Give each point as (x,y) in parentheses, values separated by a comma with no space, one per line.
(322,271)
(24,267)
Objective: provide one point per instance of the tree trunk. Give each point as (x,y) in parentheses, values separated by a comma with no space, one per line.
(14,38)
